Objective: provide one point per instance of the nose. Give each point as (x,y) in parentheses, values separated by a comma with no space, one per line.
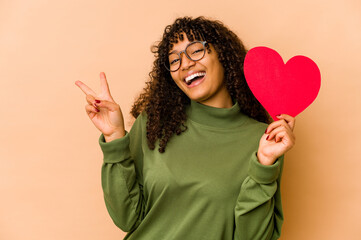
(186,62)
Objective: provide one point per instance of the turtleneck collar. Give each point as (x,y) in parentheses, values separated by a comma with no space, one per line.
(216,117)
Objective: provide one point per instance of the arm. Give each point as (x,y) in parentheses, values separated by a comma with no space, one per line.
(122,190)
(258,211)
(121,185)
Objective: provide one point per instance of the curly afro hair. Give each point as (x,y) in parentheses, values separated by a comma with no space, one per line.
(165,103)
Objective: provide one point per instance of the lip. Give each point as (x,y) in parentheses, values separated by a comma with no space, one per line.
(190,73)
(196,83)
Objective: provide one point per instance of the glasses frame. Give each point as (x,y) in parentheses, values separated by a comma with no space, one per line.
(185,52)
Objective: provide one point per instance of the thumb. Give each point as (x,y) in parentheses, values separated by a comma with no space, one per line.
(111,106)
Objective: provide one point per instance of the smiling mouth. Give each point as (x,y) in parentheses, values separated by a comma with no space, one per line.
(194,77)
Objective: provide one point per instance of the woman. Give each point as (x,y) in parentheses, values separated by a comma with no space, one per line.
(200,161)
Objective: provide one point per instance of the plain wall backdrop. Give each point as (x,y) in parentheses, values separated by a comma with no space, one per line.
(50,159)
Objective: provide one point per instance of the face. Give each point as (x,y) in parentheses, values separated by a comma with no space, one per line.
(206,75)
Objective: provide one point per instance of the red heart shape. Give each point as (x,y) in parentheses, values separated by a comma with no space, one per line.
(281,88)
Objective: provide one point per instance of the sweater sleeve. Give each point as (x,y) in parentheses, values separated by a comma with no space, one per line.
(122,188)
(258,211)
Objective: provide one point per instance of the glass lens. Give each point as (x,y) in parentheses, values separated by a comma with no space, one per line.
(174,61)
(195,51)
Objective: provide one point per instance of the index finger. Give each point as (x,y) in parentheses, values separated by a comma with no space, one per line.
(85,88)
(104,84)
(289,119)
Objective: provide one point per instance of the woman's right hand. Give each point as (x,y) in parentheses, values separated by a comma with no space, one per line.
(103,111)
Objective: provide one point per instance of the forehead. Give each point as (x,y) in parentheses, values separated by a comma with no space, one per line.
(180,40)
(179,46)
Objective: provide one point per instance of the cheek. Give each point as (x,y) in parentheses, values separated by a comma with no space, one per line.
(218,71)
(174,76)
(176,80)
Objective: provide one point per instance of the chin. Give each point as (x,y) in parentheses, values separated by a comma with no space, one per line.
(198,98)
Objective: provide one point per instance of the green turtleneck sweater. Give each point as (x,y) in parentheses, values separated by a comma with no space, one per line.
(207,185)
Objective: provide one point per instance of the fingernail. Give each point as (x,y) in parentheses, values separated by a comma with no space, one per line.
(97,110)
(97,101)
(266,130)
(267,137)
(279,115)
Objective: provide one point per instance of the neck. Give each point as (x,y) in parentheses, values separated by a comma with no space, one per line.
(216,117)
(224,102)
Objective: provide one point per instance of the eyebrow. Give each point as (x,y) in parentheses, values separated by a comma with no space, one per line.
(174,51)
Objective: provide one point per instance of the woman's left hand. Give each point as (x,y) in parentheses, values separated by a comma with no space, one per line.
(277,140)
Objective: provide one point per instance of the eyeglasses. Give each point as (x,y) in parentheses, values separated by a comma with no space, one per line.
(194,51)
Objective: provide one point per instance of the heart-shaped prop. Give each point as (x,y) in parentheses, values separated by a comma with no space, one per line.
(281,88)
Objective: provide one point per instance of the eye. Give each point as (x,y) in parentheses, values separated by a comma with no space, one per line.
(197,51)
(174,61)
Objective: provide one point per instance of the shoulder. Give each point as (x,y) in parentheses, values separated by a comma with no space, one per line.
(255,127)
(256,124)
(141,119)
(139,124)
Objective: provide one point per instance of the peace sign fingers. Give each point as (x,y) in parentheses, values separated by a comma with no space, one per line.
(87,90)
(104,86)
(105,114)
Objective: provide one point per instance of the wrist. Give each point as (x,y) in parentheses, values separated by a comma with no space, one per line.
(264,160)
(115,135)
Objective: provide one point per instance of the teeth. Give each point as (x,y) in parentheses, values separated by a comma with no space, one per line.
(191,77)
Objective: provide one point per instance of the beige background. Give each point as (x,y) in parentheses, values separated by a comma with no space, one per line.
(50,159)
